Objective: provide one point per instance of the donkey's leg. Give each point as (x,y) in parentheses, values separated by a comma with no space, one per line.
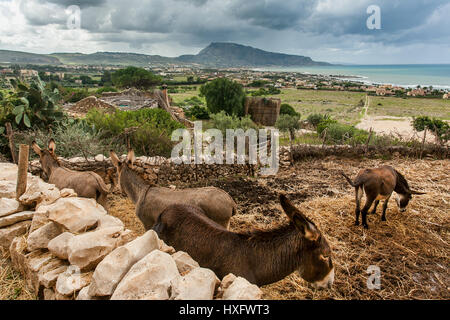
(385,204)
(374,210)
(358,196)
(365,209)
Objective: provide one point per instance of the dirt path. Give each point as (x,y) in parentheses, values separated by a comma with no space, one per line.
(397,126)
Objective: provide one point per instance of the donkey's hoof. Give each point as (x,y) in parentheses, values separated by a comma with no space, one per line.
(356,223)
(383,219)
(366,226)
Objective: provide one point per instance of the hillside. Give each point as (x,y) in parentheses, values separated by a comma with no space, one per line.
(17,57)
(217,54)
(236,55)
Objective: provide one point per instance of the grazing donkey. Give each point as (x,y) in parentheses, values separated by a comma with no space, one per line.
(151,201)
(378,184)
(86,184)
(261,257)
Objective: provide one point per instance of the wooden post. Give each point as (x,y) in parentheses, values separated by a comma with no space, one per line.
(368,141)
(22,171)
(10,135)
(423,142)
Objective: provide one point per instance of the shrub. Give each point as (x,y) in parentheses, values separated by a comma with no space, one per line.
(222,121)
(224,95)
(106,89)
(342,133)
(316,118)
(135,77)
(149,129)
(288,123)
(439,128)
(288,109)
(197,112)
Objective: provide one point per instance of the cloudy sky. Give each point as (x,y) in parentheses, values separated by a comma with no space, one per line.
(412,31)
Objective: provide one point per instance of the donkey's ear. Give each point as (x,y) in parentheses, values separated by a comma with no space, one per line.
(131,157)
(301,222)
(114,158)
(36,148)
(52,146)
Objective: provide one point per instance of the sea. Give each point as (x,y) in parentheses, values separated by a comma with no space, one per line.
(406,75)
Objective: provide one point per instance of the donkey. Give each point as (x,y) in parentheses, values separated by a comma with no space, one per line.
(86,184)
(151,201)
(378,184)
(261,257)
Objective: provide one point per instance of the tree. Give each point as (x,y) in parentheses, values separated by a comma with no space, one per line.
(135,77)
(439,128)
(224,95)
(288,109)
(106,79)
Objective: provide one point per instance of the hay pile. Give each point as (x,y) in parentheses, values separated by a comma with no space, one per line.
(82,107)
(262,110)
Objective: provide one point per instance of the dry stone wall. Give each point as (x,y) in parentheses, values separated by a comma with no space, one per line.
(68,248)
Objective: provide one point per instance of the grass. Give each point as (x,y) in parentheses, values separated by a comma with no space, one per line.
(409,107)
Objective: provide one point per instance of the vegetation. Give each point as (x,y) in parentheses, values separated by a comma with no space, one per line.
(224,95)
(288,123)
(222,121)
(135,77)
(149,130)
(265,92)
(439,128)
(288,109)
(197,112)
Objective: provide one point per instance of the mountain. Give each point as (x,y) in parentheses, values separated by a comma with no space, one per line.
(17,57)
(217,54)
(236,55)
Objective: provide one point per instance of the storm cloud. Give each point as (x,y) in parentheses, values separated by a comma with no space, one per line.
(327,30)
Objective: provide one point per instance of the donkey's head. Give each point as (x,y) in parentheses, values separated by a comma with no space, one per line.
(314,254)
(122,167)
(47,158)
(404,193)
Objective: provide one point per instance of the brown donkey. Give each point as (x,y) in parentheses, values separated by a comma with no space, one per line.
(378,184)
(86,184)
(261,257)
(151,201)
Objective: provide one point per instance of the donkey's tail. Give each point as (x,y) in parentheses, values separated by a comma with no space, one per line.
(349,180)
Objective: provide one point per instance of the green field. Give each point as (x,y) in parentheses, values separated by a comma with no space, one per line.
(409,107)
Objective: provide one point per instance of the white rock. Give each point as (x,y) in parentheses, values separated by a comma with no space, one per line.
(39,193)
(39,219)
(8,207)
(48,278)
(99,157)
(88,249)
(113,268)
(75,214)
(148,279)
(67,193)
(165,248)
(59,245)
(198,284)
(16,217)
(184,262)
(9,233)
(40,238)
(8,189)
(241,289)
(71,281)
(107,221)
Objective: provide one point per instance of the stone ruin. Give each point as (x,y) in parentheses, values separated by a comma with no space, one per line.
(69,248)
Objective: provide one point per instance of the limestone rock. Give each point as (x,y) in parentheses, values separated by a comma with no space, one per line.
(8,207)
(17,253)
(16,217)
(148,279)
(165,248)
(88,249)
(9,233)
(8,189)
(113,268)
(75,214)
(107,221)
(68,193)
(39,219)
(59,246)
(241,289)
(39,193)
(71,281)
(48,278)
(40,238)
(49,294)
(184,262)
(198,284)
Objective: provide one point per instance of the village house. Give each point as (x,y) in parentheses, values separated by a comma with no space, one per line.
(416,93)
(445,96)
